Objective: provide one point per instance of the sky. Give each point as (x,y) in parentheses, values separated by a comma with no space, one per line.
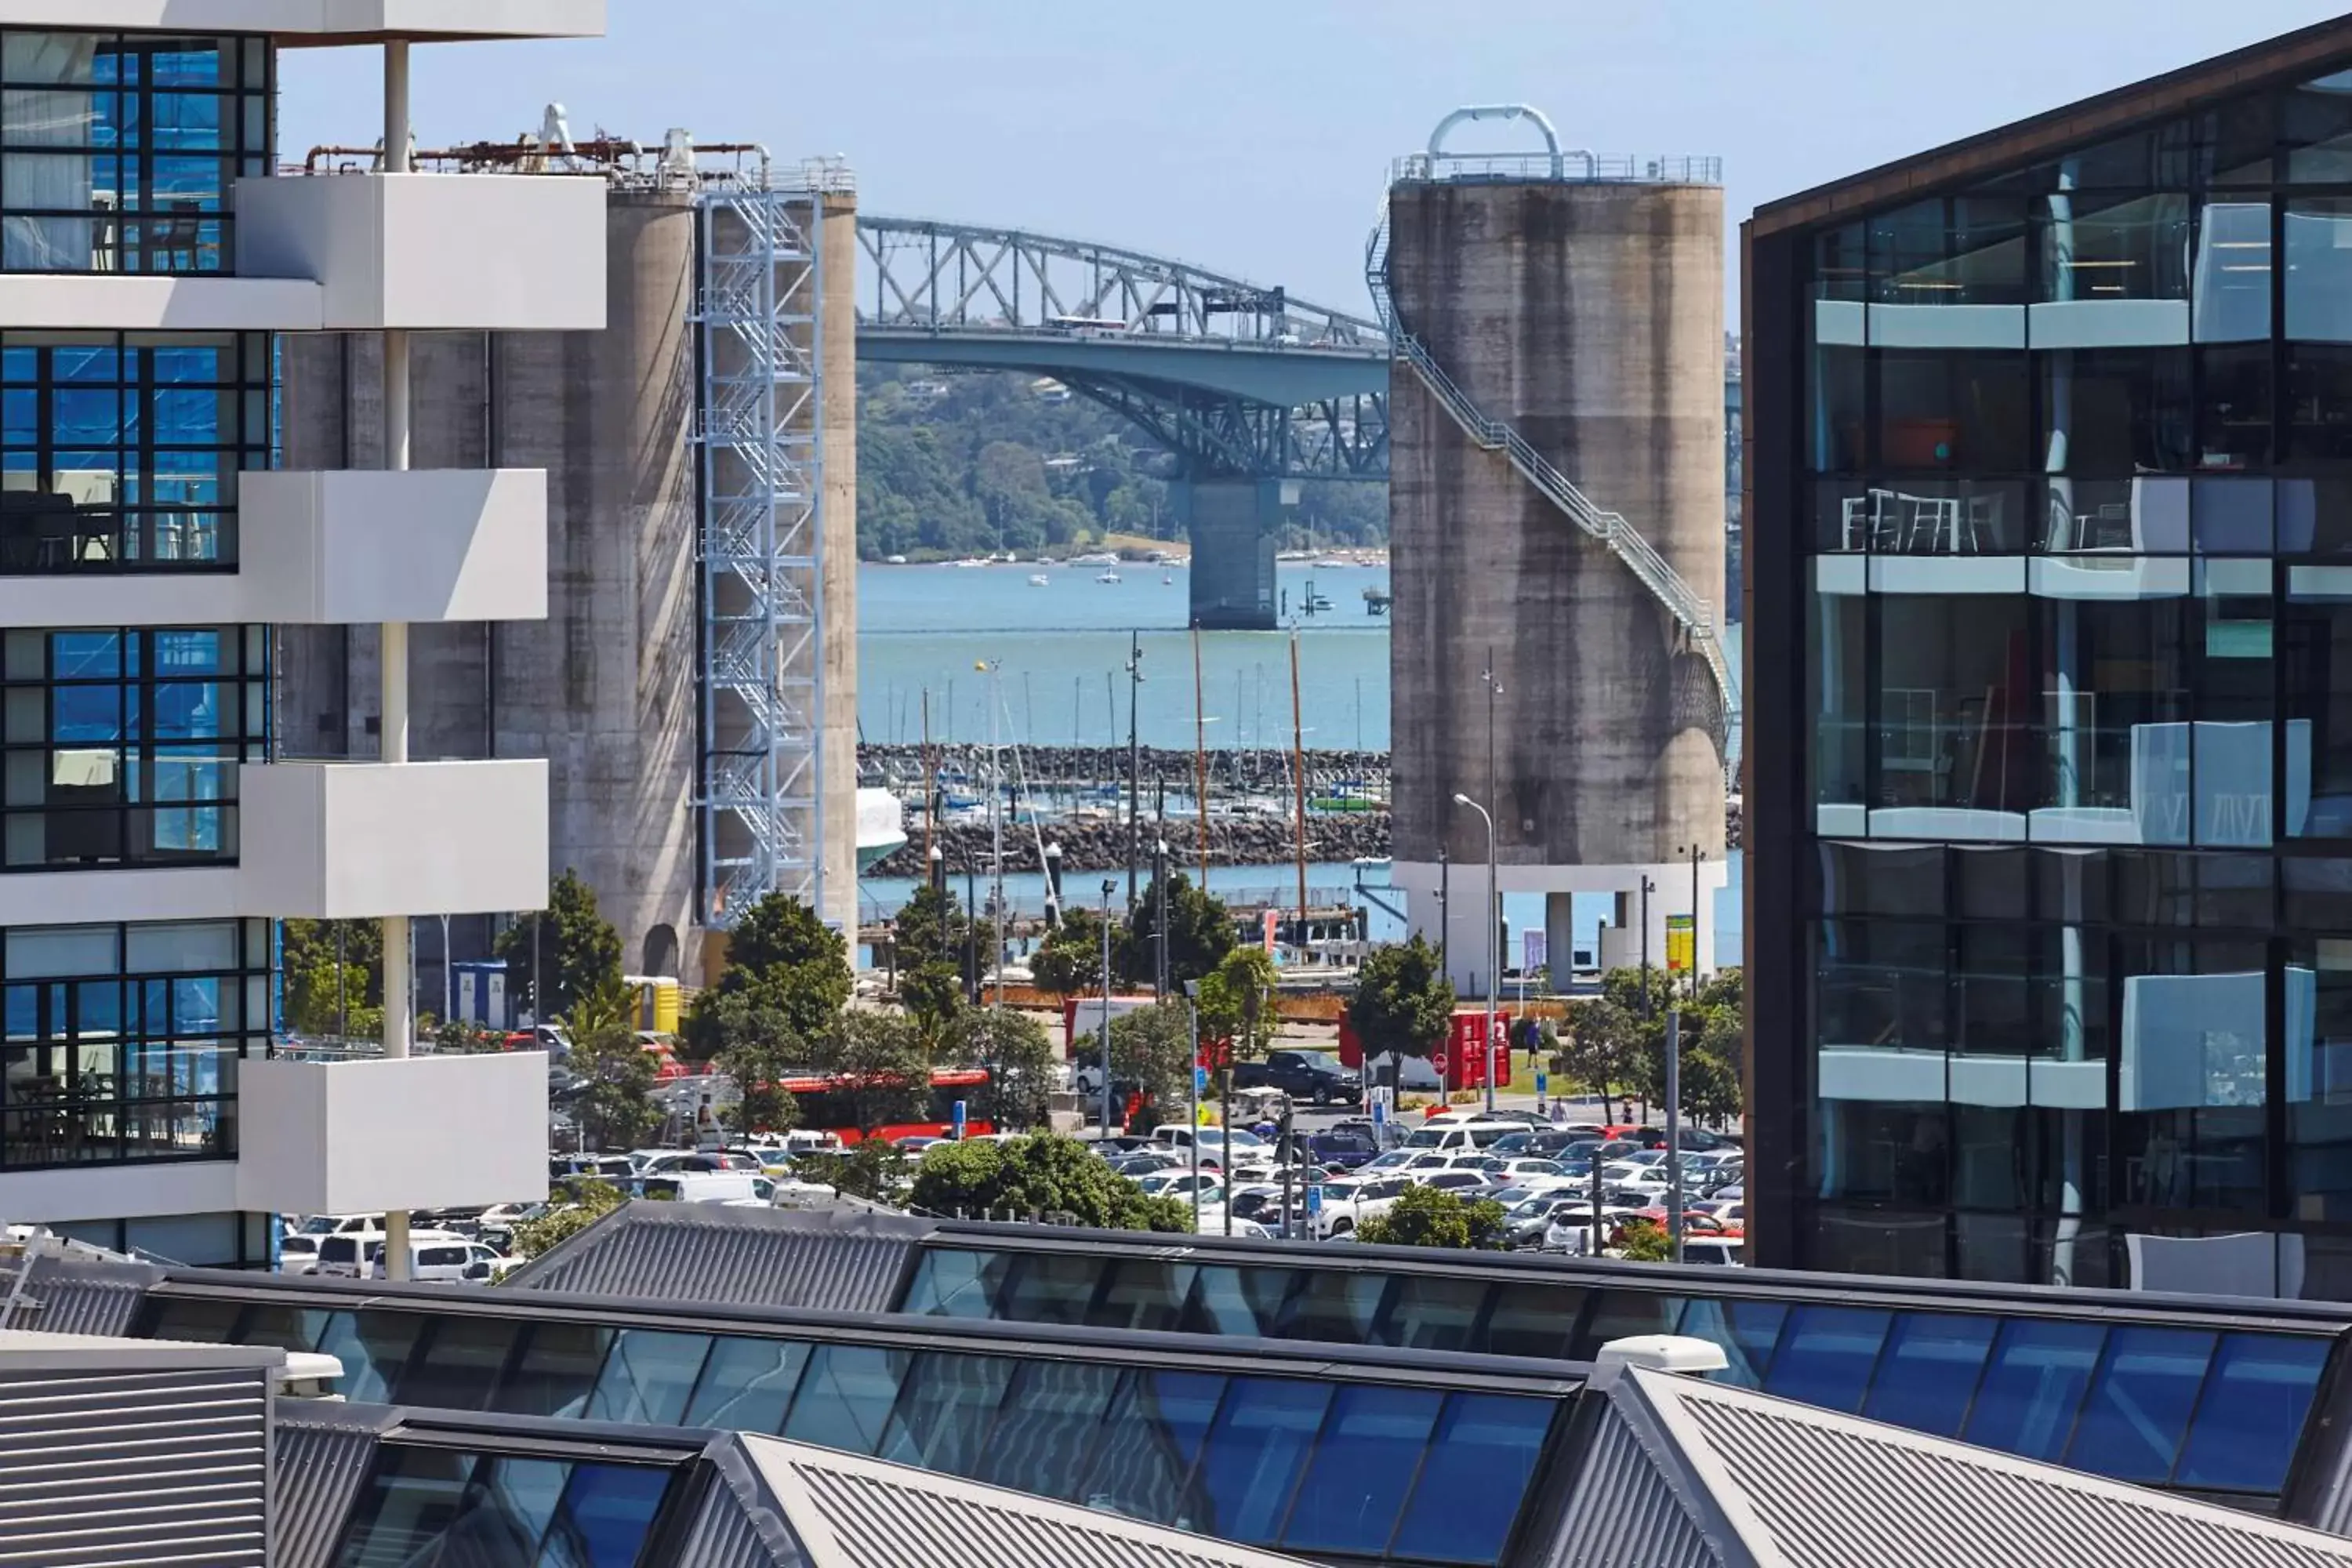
(1253,136)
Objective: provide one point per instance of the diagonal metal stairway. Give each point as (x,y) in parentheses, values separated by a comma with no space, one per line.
(1692,613)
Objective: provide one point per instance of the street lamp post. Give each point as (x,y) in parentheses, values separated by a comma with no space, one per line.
(1159,888)
(1492,900)
(1134,761)
(1109,888)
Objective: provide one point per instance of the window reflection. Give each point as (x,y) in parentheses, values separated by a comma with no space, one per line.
(2032,1387)
(2137,1412)
(1355,1484)
(1473,1481)
(1927,1374)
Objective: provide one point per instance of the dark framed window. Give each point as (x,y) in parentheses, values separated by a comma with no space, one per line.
(121,747)
(119,152)
(121,452)
(121,1043)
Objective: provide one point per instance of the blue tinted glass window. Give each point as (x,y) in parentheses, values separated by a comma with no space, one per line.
(1430,1313)
(373,1348)
(1051,1288)
(2026,1404)
(412,1496)
(1745,1330)
(1825,1356)
(1046,1436)
(1246,1302)
(845,1396)
(1623,1314)
(1929,1370)
(458,1366)
(1144,1293)
(606,1513)
(944,1416)
(1144,1464)
(1360,1469)
(2258,1394)
(1475,1479)
(1256,1451)
(647,1377)
(556,1370)
(747,1385)
(1530,1320)
(506,1512)
(2138,1410)
(1333,1305)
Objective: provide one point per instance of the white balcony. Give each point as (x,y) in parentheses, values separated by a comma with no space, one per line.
(188,302)
(134,1191)
(322,21)
(346,548)
(334,549)
(432,252)
(362,840)
(363,1137)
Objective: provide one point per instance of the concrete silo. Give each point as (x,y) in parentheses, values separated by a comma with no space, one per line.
(1556,516)
(609,688)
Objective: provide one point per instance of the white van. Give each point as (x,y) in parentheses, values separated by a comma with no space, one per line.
(1213,1143)
(359,1254)
(448,1258)
(1461,1137)
(710,1187)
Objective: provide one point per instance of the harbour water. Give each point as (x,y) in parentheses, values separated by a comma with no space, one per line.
(1062,651)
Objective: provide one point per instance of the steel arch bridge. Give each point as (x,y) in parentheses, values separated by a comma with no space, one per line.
(1238,380)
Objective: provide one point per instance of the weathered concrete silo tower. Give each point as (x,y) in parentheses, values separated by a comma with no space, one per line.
(1555,522)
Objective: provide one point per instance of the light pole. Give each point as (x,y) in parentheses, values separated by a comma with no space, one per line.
(1160,886)
(1054,883)
(1109,888)
(988,666)
(1493,906)
(1134,761)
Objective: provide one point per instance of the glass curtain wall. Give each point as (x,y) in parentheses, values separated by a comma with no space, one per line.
(2077,452)
(118,151)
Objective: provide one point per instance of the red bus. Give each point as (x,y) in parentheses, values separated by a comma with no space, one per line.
(824,1110)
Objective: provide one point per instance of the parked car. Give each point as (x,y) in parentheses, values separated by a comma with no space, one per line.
(1215,1143)
(1306,1076)
(1525,1222)
(1347,1204)
(1341,1151)
(1182,1185)
(1462,1184)
(1722,1251)
(449,1260)
(297,1254)
(1441,1133)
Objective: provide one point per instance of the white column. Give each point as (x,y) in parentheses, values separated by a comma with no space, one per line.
(399,1022)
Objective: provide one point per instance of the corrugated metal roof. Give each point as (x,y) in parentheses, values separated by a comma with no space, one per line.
(1622,1510)
(853,1512)
(66,1296)
(1781,1485)
(737,1523)
(322,1456)
(104,1468)
(829,1261)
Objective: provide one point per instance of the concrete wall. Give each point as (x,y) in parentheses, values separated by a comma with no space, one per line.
(840,651)
(1590,316)
(603,688)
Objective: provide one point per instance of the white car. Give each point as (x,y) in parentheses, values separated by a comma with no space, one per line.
(297,1254)
(1347,1204)
(1182,1185)
(1213,1221)
(1724,1251)
(450,1258)
(1460,1136)
(1462,1184)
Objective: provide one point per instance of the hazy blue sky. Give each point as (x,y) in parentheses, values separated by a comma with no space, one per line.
(1253,135)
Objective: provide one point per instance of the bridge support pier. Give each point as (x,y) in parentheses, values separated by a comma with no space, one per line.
(1232,524)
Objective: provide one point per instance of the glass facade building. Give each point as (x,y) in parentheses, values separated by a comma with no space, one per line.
(2050,446)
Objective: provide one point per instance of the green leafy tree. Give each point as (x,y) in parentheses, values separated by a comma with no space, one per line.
(617,1073)
(334,977)
(1712,1026)
(760,1054)
(1151,1048)
(1200,934)
(1404,1003)
(1041,1175)
(1020,1059)
(1646,1242)
(880,1072)
(928,937)
(570,947)
(785,961)
(1068,962)
(1236,1003)
(1433,1216)
(579,1203)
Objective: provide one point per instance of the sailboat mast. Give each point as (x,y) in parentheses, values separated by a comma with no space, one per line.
(1200,758)
(1298,781)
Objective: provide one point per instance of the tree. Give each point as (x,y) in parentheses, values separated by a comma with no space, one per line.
(1644,1241)
(334,977)
(617,1073)
(783,958)
(570,947)
(1712,1026)
(1068,962)
(928,937)
(586,1200)
(870,1170)
(1020,1059)
(1433,1216)
(1041,1175)
(1236,1003)
(1404,1003)
(760,1052)
(880,1073)
(1151,1048)
(1200,934)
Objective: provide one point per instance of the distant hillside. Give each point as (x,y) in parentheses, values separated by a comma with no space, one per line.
(958,464)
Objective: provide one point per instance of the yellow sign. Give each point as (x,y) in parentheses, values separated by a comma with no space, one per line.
(1682,941)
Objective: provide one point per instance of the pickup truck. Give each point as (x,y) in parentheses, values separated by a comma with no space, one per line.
(1314,1076)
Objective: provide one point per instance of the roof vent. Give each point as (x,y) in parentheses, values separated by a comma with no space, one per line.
(1665,1352)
